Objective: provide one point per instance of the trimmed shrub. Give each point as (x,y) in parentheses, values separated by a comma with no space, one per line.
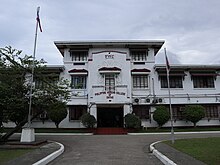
(194,113)
(88,120)
(57,112)
(161,115)
(132,121)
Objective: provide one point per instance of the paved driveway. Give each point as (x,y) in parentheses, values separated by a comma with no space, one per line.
(110,149)
(105,150)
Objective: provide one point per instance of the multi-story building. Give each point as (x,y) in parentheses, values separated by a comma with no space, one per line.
(110,79)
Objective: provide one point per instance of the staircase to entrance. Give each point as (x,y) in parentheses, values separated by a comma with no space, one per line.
(111,131)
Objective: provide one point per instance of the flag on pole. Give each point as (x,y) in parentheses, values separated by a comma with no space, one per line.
(38,19)
(167,61)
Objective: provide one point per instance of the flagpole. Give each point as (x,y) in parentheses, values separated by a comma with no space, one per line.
(168,84)
(32,73)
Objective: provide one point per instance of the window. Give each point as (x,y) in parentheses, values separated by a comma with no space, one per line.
(139,55)
(110,82)
(79,55)
(78,82)
(140,81)
(76,111)
(45,81)
(177,112)
(211,111)
(203,82)
(175,82)
(43,116)
(141,111)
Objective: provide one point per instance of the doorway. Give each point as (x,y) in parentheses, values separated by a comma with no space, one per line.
(110,117)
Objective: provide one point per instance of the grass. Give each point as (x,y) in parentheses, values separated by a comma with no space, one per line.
(9,154)
(206,150)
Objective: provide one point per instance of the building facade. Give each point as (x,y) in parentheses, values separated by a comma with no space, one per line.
(110,79)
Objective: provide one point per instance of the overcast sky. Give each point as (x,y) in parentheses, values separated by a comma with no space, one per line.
(190,28)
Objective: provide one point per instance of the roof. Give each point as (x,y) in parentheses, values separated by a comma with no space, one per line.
(156,44)
(188,67)
(55,68)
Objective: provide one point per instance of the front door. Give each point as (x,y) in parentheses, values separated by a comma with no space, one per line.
(110,117)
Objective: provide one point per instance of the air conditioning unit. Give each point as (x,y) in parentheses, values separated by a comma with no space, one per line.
(148,100)
(136,100)
(43,115)
(155,101)
(160,100)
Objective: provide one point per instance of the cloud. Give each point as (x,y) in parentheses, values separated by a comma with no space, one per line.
(190,28)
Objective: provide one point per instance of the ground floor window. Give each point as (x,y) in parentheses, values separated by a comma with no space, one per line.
(40,117)
(212,111)
(76,111)
(178,112)
(141,111)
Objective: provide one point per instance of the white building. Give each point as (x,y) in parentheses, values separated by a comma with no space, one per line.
(110,79)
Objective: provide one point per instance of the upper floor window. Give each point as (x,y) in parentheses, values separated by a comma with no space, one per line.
(46,81)
(203,82)
(79,55)
(78,81)
(140,81)
(110,82)
(175,81)
(138,55)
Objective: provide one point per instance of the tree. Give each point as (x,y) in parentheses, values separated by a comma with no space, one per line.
(57,112)
(15,74)
(132,121)
(161,115)
(194,113)
(88,120)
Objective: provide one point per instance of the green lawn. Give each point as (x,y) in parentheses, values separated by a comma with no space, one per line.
(9,154)
(206,150)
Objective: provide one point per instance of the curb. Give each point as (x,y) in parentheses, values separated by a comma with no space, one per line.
(165,160)
(176,133)
(61,134)
(52,156)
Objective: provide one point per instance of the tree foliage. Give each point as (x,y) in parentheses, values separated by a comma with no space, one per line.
(194,113)
(15,81)
(132,121)
(161,115)
(88,120)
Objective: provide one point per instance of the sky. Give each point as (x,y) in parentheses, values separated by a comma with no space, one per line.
(190,28)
